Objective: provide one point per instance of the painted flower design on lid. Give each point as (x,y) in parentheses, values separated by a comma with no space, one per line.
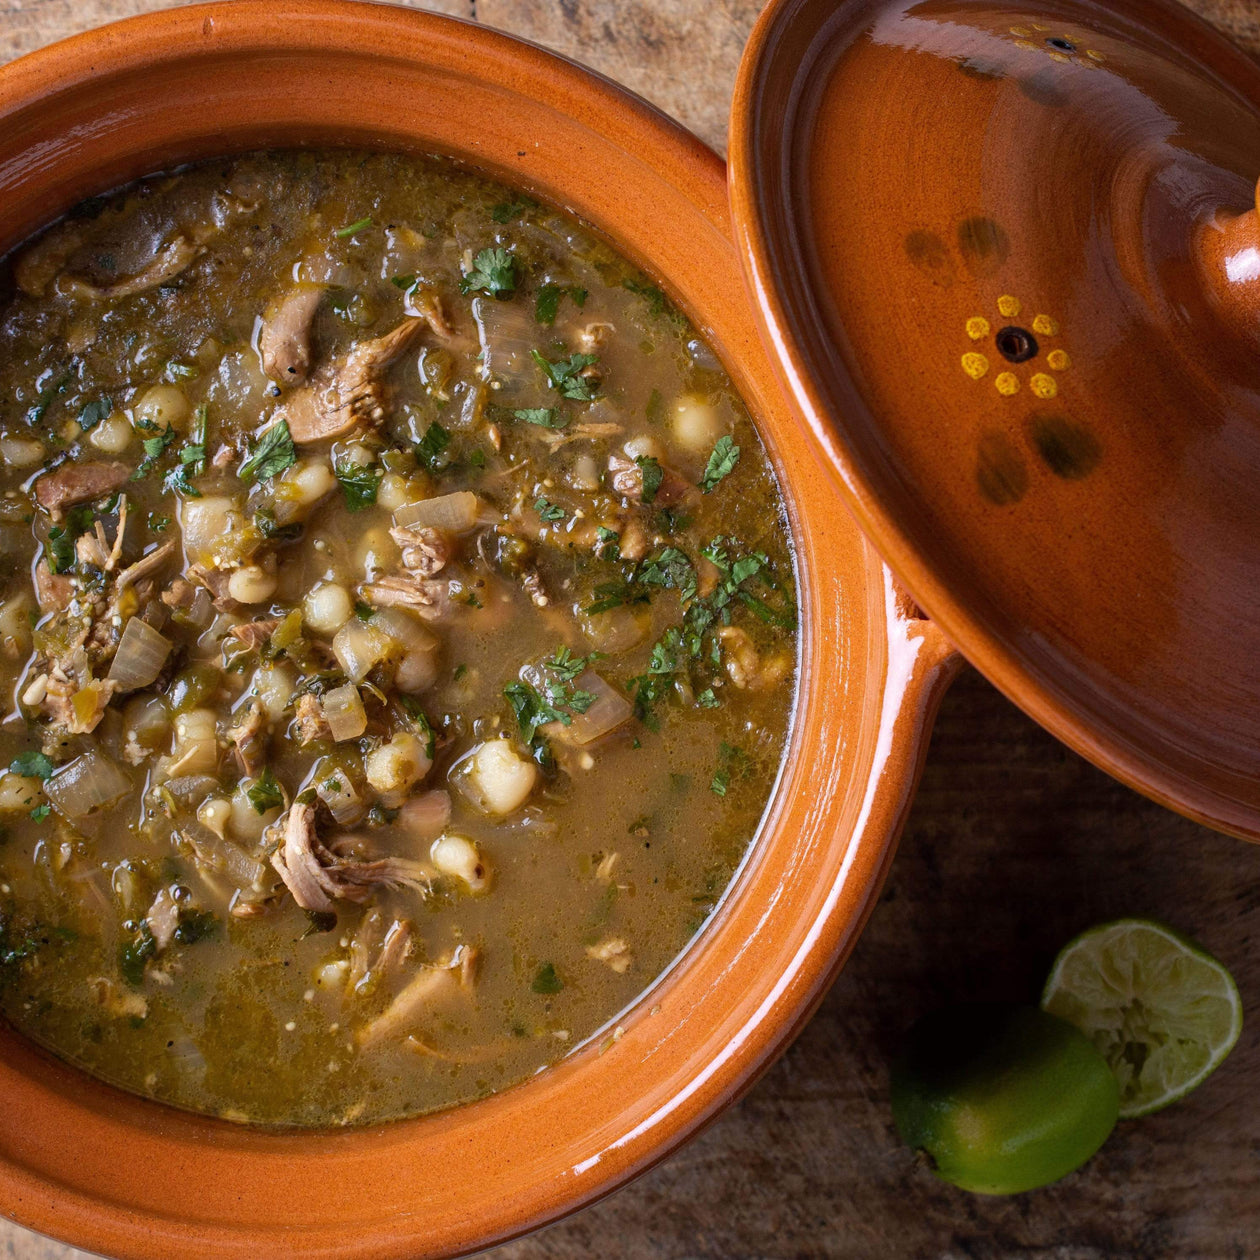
(1014,352)
(1059,46)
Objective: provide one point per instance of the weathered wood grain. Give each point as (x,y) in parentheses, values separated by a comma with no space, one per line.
(1014,845)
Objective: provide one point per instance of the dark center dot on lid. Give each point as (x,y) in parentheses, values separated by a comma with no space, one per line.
(1063,45)
(1016,345)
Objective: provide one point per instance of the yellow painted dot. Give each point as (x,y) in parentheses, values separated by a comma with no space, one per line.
(1058,359)
(1007,383)
(1086,64)
(1058,56)
(977,327)
(1043,386)
(1094,54)
(1021,31)
(1025,43)
(1008,305)
(1037,26)
(975,365)
(1046,326)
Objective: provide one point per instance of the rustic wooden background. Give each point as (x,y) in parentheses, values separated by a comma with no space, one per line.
(1014,845)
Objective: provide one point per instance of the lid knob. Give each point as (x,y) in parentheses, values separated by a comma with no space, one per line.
(1228,255)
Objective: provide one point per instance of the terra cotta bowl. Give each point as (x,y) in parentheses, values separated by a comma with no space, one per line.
(114,1173)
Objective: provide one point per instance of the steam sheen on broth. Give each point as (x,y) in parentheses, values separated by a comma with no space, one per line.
(397,634)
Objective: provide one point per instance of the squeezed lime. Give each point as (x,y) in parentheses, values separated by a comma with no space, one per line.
(1162,1011)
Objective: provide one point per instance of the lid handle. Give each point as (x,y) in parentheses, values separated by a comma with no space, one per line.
(1228,250)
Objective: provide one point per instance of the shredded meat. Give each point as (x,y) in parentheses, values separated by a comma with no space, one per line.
(454,973)
(253,634)
(216,582)
(167,263)
(429,597)
(180,594)
(626,478)
(249,739)
(79,483)
(426,303)
(284,340)
(594,336)
(53,591)
(315,874)
(163,918)
(376,950)
(425,552)
(310,720)
(351,390)
(148,563)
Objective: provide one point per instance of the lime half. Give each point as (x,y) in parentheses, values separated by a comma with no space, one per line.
(1163,1012)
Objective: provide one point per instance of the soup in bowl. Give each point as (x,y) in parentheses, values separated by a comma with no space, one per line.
(487,930)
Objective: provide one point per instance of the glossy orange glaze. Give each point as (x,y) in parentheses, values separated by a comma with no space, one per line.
(113,1173)
(978,236)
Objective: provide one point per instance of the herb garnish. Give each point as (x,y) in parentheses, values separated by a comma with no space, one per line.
(272,455)
(31,765)
(433,442)
(547,301)
(264,793)
(494,271)
(544,417)
(37,412)
(351,228)
(653,475)
(94,413)
(59,550)
(40,812)
(565,375)
(154,448)
(192,460)
(547,510)
(722,461)
(546,980)
(359,482)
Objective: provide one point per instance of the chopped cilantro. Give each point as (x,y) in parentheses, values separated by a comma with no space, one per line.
(134,955)
(159,523)
(458,672)
(730,760)
(547,510)
(722,461)
(547,302)
(531,710)
(566,666)
(40,812)
(31,764)
(194,926)
(546,417)
(359,483)
(264,793)
(431,445)
(59,550)
(610,543)
(272,455)
(653,475)
(565,375)
(421,721)
(655,410)
(94,413)
(364,612)
(477,458)
(405,283)
(154,449)
(351,228)
(657,302)
(192,460)
(546,980)
(494,271)
(266,524)
(506,211)
(706,699)
(39,410)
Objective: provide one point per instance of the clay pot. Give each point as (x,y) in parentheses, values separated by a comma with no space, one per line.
(113,1173)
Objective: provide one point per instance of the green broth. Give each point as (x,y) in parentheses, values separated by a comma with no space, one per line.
(626,527)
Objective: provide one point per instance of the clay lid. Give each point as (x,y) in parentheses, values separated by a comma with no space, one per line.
(997,250)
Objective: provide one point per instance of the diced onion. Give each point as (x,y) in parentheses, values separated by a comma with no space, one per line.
(86,783)
(359,647)
(344,712)
(456,513)
(409,633)
(222,855)
(142,651)
(609,710)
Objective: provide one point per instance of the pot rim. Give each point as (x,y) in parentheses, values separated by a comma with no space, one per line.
(745,987)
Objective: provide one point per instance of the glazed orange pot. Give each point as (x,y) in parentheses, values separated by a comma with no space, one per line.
(114,1173)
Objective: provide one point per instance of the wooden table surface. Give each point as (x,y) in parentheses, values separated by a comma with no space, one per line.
(1014,845)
